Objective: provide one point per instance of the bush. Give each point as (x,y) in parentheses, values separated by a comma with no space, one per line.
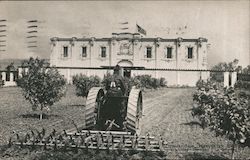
(42,85)
(242,84)
(84,83)
(223,112)
(163,82)
(146,81)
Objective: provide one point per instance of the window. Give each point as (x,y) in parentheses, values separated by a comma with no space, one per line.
(65,51)
(84,51)
(149,52)
(190,52)
(169,52)
(103,52)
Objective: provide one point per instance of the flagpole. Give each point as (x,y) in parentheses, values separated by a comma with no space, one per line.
(136,29)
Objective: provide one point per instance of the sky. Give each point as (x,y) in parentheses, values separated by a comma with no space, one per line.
(226,24)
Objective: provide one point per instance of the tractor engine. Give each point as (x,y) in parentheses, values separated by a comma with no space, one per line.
(114,107)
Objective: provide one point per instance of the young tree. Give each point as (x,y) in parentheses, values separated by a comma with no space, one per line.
(42,85)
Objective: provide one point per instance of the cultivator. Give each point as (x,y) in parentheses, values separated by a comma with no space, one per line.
(86,139)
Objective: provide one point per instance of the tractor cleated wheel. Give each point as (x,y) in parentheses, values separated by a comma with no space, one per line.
(93,104)
(134,111)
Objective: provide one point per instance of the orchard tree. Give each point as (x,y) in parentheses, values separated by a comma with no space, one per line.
(42,85)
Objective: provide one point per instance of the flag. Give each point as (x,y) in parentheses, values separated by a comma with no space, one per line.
(124,28)
(140,29)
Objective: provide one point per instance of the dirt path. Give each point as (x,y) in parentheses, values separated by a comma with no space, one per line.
(168,113)
(158,110)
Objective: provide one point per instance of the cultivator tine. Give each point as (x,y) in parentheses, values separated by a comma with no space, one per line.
(64,132)
(43,132)
(87,146)
(147,142)
(17,137)
(45,146)
(21,143)
(82,139)
(54,132)
(91,142)
(55,145)
(161,143)
(134,141)
(10,142)
(60,138)
(99,140)
(27,137)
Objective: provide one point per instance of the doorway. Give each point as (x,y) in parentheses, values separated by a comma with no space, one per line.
(127,73)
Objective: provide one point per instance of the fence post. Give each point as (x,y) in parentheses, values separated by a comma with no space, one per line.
(226,79)
(234,78)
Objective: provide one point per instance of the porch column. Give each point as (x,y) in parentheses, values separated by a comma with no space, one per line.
(11,77)
(226,79)
(233,78)
(4,75)
(20,72)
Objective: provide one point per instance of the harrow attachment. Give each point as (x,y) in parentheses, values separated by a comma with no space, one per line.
(86,139)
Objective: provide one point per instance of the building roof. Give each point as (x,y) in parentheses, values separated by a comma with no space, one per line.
(130,36)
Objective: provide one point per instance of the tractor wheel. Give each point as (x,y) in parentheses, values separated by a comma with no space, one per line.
(134,111)
(93,104)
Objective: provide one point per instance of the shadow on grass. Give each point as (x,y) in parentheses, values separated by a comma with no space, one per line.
(192,123)
(204,156)
(189,109)
(72,105)
(37,116)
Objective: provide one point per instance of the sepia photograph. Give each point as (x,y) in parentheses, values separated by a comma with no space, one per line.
(125,80)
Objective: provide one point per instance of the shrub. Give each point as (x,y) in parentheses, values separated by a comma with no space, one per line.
(1,81)
(146,81)
(84,83)
(223,112)
(163,82)
(242,84)
(42,85)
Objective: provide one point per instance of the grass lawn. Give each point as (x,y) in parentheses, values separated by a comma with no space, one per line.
(167,113)
(16,113)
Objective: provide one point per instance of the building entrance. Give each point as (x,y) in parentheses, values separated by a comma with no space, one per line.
(127,73)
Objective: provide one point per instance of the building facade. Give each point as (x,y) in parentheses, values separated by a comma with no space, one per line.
(180,61)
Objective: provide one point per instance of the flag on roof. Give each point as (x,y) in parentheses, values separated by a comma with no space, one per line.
(124,28)
(140,29)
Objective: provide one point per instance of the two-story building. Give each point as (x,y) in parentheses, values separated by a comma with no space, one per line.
(180,61)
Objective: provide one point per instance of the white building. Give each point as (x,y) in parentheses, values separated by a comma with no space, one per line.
(180,61)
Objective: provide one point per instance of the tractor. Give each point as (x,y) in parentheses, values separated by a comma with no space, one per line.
(114,107)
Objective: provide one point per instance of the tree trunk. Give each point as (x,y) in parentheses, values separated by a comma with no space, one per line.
(232,155)
(41,113)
